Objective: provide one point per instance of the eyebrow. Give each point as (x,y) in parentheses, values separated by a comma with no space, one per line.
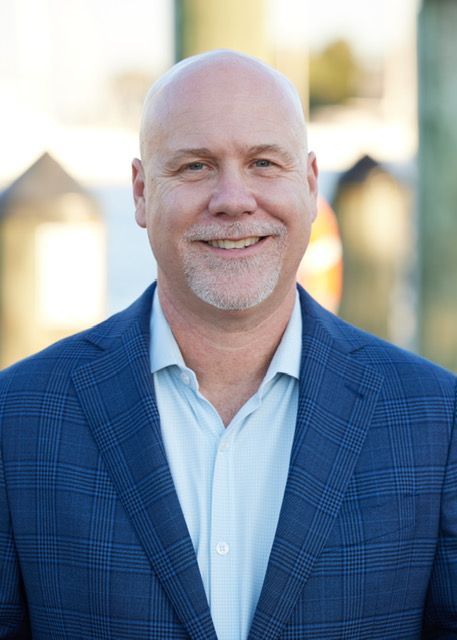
(260,149)
(255,150)
(191,151)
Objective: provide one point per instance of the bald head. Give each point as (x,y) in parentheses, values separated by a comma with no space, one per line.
(200,76)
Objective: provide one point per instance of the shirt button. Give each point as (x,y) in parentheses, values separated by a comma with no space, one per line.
(225,445)
(185,377)
(222,548)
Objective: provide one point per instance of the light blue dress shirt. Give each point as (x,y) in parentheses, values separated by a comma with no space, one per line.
(230,481)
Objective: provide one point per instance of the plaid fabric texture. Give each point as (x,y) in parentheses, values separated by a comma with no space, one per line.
(93,543)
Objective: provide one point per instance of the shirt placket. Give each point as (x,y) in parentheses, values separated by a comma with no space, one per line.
(222,550)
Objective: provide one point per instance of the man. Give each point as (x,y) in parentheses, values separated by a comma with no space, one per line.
(225,459)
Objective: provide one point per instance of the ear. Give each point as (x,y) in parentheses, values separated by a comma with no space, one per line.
(138,192)
(312,176)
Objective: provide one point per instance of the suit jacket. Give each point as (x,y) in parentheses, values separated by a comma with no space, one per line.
(93,543)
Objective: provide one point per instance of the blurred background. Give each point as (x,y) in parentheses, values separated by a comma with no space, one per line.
(378,84)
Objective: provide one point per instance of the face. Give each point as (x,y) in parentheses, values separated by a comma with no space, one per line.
(226,191)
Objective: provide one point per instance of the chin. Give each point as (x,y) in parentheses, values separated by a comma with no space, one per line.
(234,299)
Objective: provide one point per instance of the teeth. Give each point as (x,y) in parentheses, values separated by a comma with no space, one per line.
(234,244)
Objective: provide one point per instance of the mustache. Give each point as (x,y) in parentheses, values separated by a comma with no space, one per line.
(233,230)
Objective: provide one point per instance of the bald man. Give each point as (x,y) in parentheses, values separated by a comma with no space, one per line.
(226,459)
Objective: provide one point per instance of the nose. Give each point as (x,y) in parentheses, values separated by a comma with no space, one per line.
(231,195)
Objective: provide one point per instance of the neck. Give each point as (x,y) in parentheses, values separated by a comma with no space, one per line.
(229,352)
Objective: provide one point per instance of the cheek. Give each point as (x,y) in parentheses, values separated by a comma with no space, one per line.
(299,220)
(288,197)
(168,220)
(174,207)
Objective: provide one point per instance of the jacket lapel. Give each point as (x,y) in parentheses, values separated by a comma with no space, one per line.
(116,393)
(337,397)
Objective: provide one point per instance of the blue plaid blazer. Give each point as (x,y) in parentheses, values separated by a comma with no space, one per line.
(93,543)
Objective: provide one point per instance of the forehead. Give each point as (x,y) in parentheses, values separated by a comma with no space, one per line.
(232,103)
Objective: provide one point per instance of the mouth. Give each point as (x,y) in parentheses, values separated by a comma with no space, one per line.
(241,243)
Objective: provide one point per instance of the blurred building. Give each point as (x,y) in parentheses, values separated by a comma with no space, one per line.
(52,260)
(374,212)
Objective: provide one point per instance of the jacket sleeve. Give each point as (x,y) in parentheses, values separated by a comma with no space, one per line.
(14,622)
(440,615)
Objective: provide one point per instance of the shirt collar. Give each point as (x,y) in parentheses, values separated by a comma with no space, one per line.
(165,352)
(287,356)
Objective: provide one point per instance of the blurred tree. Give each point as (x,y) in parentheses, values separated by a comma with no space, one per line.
(333,74)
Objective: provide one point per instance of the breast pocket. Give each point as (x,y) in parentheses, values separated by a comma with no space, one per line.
(386,519)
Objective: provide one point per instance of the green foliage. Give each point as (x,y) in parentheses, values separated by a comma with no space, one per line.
(333,74)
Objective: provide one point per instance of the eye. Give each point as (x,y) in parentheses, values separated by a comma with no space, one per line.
(195,166)
(263,163)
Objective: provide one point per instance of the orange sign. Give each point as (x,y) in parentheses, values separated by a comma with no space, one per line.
(321,269)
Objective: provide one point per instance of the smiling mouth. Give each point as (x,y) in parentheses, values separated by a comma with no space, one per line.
(242,243)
